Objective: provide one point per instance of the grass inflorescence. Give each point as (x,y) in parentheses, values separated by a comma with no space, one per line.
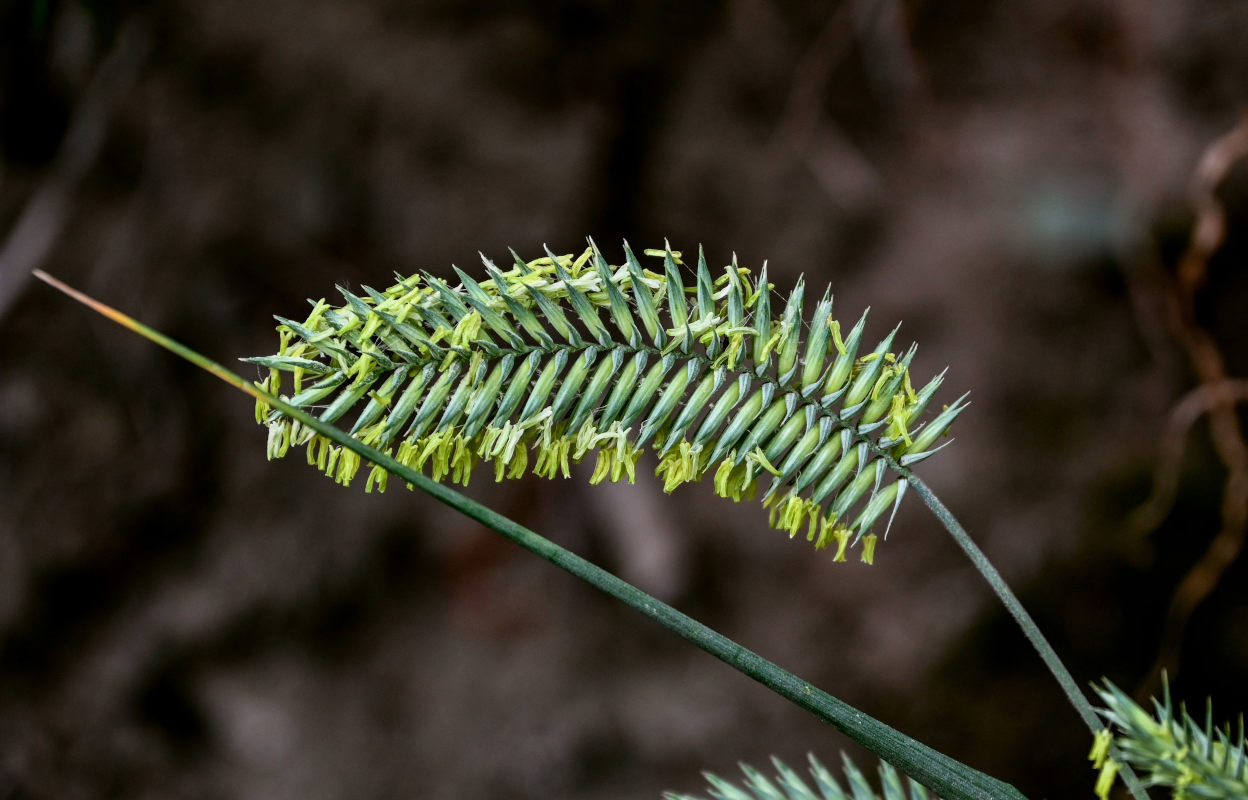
(789,785)
(1170,748)
(541,365)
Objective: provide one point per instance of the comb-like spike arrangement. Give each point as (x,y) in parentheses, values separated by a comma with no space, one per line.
(538,366)
(1193,759)
(789,785)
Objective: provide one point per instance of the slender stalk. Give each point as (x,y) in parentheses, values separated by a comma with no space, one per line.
(1032,631)
(947,777)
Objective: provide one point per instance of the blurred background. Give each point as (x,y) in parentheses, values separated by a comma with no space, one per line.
(1049,193)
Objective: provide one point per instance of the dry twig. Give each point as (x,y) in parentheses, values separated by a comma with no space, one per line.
(1219,393)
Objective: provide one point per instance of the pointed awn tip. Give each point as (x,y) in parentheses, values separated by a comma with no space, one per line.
(126,321)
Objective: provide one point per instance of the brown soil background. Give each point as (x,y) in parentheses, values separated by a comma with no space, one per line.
(179,618)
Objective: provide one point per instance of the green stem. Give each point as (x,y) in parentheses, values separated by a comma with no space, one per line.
(1047,654)
(947,777)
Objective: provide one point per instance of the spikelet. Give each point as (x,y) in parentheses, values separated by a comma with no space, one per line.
(788,785)
(1170,748)
(541,365)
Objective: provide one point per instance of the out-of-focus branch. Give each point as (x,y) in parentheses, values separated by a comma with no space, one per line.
(804,106)
(887,54)
(804,132)
(1149,515)
(1219,393)
(44,217)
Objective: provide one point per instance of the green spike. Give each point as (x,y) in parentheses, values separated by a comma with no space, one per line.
(763,788)
(860,389)
(706,289)
(458,402)
(396,345)
(796,425)
(857,781)
(924,397)
(318,391)
(555,316)
(829,786)
(406,404)
(928,435)
(433,400)
(666,404)
(736,297)
(842,368)
(480,300)
(707,309)
(826,459)
(725,790)
(765,425)
(450,300)
(361,309)
(790,336)
(814,436)
(341,324)
(484,400)
(378,403)
(644,300)
(694,406)
(378,298)
(581,305)
(881,398)
(915,458)
(544,385)
(572,383)
(1208,737)
(624,387)
(795,787)
(517,387)
(616,300)
(816,346)
(348,398)
(472,289)
(290,364)
(647,389)
(597,387)
(868,480)
(890,782)
(726,402)
(849,464)
(762,324)
(676,303)
(317,340)
(525,316)
(876,507)
(523,267)
(747,413)
(431,316)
